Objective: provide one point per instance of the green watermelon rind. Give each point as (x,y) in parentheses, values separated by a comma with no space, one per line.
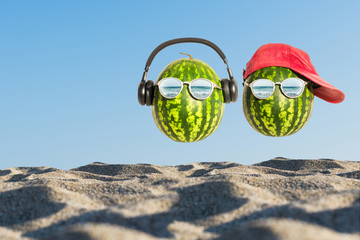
(185,119)
(278,115)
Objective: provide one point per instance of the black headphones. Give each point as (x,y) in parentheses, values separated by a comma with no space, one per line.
(146,88)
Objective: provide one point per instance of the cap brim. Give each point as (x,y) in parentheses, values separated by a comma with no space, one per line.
(327,91)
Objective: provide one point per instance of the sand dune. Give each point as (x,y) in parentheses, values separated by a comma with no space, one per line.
(276,199)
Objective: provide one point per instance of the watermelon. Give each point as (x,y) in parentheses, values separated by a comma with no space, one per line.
(277,115)
(184,118)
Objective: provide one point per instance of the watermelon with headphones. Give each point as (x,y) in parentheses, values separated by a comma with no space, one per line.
(188,97)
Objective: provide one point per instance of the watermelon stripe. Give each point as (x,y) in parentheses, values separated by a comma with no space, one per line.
(206,120)
(219,111)
(308,107)
(300,115)
(258,121)
(169,128)
(201,70)
(173,117)
(160,118)
(213,109)
(213,120)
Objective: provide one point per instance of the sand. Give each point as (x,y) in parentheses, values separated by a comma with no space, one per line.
(276,199)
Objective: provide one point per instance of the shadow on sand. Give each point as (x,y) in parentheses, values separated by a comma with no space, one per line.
(29,171)
(300,164)
(333,219)
(26,204)
(195,202)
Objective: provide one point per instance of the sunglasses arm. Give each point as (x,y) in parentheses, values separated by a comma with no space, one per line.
(216,86)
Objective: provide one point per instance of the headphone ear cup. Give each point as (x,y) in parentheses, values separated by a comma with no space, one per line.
(234,90)
(225,85)
(141,92)
(149,92)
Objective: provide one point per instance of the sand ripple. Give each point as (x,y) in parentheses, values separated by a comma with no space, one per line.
(276,199)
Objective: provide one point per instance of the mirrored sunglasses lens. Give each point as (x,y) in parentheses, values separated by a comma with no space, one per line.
(170,87)
(292,87)
(201,88)
(262,88)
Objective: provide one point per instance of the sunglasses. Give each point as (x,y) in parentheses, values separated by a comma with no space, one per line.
(264,88)
(199,88)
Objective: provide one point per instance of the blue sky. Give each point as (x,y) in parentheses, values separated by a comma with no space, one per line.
(69,72)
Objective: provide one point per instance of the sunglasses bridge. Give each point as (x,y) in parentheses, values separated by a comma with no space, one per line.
(213,84)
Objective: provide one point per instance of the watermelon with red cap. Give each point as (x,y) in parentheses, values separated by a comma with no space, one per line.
(279,115)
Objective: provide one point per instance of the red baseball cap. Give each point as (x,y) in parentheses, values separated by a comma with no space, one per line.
(283,55)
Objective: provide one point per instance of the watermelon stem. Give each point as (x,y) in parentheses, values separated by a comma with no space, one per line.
(187,55)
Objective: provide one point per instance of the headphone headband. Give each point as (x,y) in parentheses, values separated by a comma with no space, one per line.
(185,40)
